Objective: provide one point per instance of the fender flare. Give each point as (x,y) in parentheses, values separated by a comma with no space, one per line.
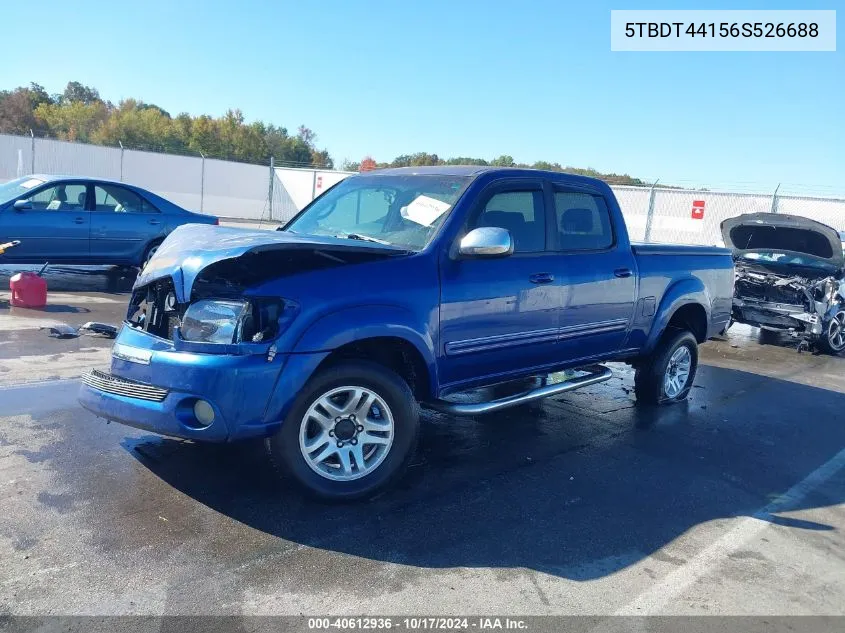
(357,323)
(678,294)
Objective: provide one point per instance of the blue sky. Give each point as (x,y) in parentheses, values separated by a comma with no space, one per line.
(534,79)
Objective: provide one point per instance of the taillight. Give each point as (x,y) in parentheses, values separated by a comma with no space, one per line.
(216,221)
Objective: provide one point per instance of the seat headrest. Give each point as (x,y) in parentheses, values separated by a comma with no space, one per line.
(61,195)
(80,199)
(577,221)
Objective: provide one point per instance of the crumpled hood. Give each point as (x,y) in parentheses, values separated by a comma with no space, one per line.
(191,248)
(778,232)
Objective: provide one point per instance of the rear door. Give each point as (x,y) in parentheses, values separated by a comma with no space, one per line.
(499,316)
(54,227)
(123,223)
(597,274)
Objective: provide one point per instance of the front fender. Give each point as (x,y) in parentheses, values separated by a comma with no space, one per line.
(352,324)
(677,295)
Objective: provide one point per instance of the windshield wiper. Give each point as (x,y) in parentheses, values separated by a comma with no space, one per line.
(363,238)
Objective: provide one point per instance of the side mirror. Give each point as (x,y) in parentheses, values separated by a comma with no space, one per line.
(487,241)
(22,205)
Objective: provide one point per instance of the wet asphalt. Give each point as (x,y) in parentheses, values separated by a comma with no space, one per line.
(731,503)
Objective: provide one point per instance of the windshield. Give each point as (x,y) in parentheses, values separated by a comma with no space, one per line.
(17,188)
(403,211)
(789,259)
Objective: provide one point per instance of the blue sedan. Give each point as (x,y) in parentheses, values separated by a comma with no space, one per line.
(85,221)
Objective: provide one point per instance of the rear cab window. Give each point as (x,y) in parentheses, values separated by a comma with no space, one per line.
(582,221)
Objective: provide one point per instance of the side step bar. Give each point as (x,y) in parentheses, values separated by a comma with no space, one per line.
(596,374)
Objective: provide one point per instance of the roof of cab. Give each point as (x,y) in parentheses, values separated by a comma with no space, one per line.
(476,170)
(434,170)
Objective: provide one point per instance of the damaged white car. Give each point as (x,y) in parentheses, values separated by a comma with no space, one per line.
(789,277)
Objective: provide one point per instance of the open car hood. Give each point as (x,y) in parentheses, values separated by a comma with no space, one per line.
(191,248)
(755,232)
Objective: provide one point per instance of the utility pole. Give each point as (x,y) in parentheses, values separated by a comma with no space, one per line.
(775,199)
(202,182)
(650,212)
(270,190)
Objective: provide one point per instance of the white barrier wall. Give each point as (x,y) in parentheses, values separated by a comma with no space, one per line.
(243,191)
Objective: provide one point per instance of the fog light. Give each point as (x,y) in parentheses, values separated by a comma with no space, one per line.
(203,412)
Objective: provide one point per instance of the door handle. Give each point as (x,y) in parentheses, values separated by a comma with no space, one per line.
(622,272)
(541,278)
(79,221)
(154,221)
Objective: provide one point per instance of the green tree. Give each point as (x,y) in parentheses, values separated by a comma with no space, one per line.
(204,137)
(503,161)
(75,91)
(321,159)
(73,121)
(422,159)
(463,160)
(139,127)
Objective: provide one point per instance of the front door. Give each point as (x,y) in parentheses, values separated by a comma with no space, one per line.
(499,316)
(54,226)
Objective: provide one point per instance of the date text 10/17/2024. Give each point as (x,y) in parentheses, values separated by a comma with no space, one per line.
(418,623)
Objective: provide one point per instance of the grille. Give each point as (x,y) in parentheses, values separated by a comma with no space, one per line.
(122,387)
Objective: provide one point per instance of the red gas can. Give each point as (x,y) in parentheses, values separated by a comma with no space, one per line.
(29,290)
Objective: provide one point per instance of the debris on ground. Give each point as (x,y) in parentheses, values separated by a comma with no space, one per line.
(95,327)
(63,330)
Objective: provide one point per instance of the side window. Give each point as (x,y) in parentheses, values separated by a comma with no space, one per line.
(521,213)
(70,197)
(114,199)
(583,221)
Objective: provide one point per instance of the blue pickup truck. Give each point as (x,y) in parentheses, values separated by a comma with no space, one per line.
(398,289)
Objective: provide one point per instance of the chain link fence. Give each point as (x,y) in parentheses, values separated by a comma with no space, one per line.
(266,192)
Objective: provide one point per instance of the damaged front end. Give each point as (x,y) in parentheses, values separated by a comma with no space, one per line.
(223,318)
(196,291)
(789,277)
(786,302)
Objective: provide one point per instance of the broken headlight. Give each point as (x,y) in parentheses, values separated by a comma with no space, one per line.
(213,321)
(227,321)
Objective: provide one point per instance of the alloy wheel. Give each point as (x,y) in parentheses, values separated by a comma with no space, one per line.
(346,433)
(836,331)
(677,372)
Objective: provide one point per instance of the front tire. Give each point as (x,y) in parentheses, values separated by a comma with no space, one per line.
(667,375)
(350,434)
(832,340)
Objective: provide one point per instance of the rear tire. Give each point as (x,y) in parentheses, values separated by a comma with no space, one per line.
(148,254)
(667,375)
(352,412)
